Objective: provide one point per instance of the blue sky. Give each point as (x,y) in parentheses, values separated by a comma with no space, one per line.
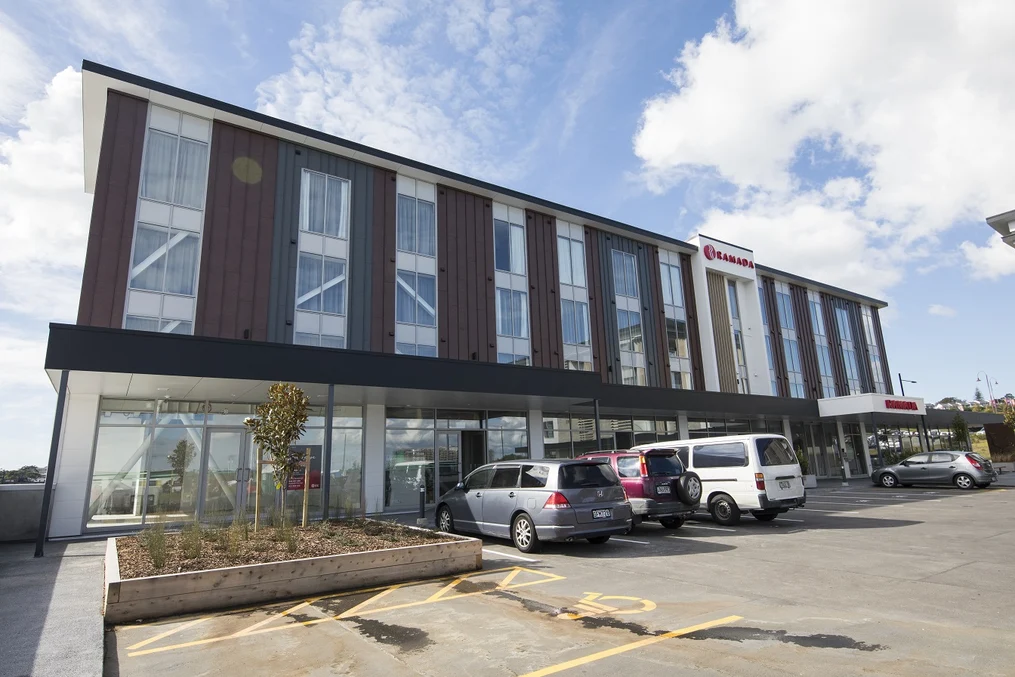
(858,143)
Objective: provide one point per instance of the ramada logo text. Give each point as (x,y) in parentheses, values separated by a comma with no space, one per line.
(901,404)
(712,254)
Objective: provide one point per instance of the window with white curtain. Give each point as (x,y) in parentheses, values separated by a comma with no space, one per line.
(415,349)
(575,322)
(677,337)
(320,284)
(175,170)
(509,247)
(512,313)
(629,326)
(415,298)
(141,323)
(416,226)
(625,274)
(571,261)
(165,260)
(324,204)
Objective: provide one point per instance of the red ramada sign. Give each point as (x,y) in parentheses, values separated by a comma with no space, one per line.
(712,254)
(901,404)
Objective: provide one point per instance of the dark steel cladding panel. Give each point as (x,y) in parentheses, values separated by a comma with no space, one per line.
(598,293)
(694,335)
(887,372)
(860,341)
(544,290)
(383,320)
(808,346)
(834,345)
(114,207)
(236,246)
(653,298)
(292,160)
(467,328)
(775,332)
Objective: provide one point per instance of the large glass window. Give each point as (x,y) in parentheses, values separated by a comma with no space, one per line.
(165,260)
(673,293)
(677,340)
(324,205)
(415,298)
(175,170)
(575,322)
(512,313)
(873,349)
(821,344)
(849,357)
(416,226)
(625,274)
(629,328)
(320,284)
(571,261)
(509,247)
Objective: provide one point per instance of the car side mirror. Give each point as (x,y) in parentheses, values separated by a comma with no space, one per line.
(460,486)
(905,463)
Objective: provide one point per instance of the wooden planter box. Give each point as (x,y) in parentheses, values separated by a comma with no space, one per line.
(173,594)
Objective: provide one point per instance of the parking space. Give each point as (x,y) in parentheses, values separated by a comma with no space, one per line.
(910,582)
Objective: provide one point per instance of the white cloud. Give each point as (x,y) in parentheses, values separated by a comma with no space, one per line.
(380,73)
(940,310)
(990,262)
(913,97)
(43,207)
(20,74)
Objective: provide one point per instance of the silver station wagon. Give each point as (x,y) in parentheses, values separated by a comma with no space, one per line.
(534,501)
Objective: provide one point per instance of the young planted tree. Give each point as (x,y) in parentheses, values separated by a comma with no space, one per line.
(960,431)
(279,423)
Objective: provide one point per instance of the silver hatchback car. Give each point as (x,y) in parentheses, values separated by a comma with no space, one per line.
(963,469)
(534,501)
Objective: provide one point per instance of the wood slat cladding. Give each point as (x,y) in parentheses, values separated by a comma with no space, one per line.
(599,292)
(775,332)
(236,245)
(887,372)
(292,159)
(834,345)
(382,219)
(721,332)
(693,331)
(114,208)
(647,257)
(808,346)
(466,312)
(544,290)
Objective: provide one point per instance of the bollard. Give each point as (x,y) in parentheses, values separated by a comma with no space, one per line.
(421,520)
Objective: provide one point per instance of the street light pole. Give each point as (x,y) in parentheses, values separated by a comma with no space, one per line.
(990,390)
(901,381)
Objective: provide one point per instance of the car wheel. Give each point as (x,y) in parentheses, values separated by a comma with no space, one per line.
(964,481)
(598,540)
(672,522)
(445,522)
(765,516)
(523,534)
(724,510)
(888,480)
(689,488)
(635,521)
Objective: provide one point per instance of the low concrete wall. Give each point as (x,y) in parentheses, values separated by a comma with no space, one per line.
(173,594)
(20,511)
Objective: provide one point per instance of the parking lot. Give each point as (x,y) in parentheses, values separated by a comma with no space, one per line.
(862,581)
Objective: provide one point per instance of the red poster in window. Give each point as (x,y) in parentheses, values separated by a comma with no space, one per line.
(300,450)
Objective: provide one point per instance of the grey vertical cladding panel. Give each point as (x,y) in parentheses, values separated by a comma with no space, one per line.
(544,285)
(775,331)
(612,334)
(860,342)
(693,328)
(886,371)
(659,313)
(292,160)
(834,345)
(652,316)
(443,241)
(597,303)
(808,346)
(724,352)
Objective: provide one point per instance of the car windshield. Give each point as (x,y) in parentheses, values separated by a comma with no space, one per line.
(663,465)
(587,475)
(775,451)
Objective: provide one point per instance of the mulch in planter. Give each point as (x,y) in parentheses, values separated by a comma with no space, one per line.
(227,546)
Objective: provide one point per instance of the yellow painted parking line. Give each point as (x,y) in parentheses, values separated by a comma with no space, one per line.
(368,601)
(507,579)
(266,621)
(167,633)
(624,648)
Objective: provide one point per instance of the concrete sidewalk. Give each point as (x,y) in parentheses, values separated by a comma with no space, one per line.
(51,609)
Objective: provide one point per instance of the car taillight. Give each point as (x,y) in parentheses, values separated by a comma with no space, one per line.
(644,466)
(624,489)
(973,462)
(556,501)
(759,481)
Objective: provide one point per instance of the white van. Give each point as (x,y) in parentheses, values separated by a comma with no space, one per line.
(759,473)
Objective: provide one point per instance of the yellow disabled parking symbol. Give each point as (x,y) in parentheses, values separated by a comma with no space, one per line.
(594,604)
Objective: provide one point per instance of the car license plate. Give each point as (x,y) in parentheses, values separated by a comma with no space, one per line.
(663,489)
(784,485)
(602,514)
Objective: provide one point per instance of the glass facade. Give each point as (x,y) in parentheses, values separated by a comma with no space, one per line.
(571,435)
(870,335)
(822,345)
(674,310)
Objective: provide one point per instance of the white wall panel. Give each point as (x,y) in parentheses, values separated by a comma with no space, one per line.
(500,211)
(187,219)
(178,307)
(405,261)
(426,191)
(309,323)
(406,186)
(333,325)
(153,212)
(311,243)
(373,464)
(336,248)
(405,333)
(143,303)
(196,128)
(164,119)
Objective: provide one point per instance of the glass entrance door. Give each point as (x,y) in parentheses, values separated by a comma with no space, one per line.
(227,475)
(449,465)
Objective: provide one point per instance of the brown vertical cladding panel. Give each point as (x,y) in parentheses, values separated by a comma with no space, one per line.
(442,273)
(111,231)
(536,326)
(388,293)
(597,298)
(544,290)
(662,360)
(469,265)
(557,347)
(548,292)
(491,287)
(461,275)
(886,371)
(834,346)
(232,299)
(808,347)
(382,321)
(451,217)
(721,333)
(691,306)
(483,238)
(775,334)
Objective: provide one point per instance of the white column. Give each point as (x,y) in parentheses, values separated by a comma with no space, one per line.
(682,429)
(842,449)
(709,363)
(787,431)
(373,463)
(866,447)
(536,434)
(73,466)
